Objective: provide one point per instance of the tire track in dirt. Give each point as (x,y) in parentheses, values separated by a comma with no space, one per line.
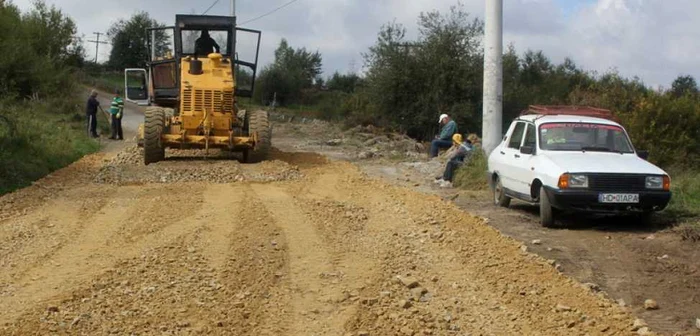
(226,281)
(219,221)
(19,237)
(98,246)
(27,240)
(475,280)
(74,262)
(253,269)
(314,299)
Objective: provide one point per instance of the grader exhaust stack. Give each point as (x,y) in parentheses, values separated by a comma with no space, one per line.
(191,87)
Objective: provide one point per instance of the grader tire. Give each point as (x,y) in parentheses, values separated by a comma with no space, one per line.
(153,149)
(258,122)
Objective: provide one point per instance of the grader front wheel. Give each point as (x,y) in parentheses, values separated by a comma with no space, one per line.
(153,149)
(258,122)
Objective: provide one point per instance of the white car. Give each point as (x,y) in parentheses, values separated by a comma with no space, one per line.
(575,159)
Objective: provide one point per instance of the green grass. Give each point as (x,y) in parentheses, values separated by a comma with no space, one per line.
(106,81)
(685,186)
(49,135)
(472,175)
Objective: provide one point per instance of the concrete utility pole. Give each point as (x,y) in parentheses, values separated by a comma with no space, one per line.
(493,76)
(97,44)
(233,7)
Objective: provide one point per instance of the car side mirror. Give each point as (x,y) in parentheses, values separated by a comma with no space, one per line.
(529,150)
(643,154)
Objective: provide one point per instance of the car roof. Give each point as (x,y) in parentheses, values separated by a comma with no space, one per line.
(539,119)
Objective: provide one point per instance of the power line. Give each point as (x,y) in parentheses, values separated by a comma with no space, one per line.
(270,12)
(210,7)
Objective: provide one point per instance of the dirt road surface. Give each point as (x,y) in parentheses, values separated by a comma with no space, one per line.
(298,245)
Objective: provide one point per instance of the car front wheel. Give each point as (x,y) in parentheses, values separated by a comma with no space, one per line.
(546,210)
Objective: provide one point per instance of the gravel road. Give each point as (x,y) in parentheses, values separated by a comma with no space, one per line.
(298,245)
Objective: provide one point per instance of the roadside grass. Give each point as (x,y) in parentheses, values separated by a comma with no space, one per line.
(48,135)
(472,175)
(685,185)
(106,81)
(684,208)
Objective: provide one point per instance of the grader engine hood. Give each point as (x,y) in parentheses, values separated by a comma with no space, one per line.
(207,85)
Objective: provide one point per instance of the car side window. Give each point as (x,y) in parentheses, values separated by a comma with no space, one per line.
(517,137)
(531,136)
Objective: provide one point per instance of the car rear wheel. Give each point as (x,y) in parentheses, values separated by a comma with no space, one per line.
(546,210)
(499,195)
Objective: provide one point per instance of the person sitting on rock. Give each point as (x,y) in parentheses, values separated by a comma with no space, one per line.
(449,128)
(456,156)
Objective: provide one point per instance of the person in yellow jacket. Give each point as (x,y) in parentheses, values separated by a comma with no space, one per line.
(460,151)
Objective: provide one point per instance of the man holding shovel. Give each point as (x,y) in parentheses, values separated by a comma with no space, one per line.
(91,113)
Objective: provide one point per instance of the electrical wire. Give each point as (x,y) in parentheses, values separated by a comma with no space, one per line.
(268,13)
(210,7)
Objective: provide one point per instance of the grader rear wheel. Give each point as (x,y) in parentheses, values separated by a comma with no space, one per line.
(153,149)
(258,122)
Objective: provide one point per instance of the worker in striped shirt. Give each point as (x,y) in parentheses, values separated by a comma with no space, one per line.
(117,112)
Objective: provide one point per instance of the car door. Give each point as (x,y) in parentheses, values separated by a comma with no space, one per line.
(508,152)
(523,168)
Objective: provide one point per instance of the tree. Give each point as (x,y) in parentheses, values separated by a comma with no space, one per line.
(346,83)
(39,48)
(130,41)
(411,82)
(684,85)
(292,71)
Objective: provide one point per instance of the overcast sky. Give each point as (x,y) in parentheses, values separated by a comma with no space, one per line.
(656,40)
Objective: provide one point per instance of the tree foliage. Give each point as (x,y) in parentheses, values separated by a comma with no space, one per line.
(293,71)
(39,50)
(684,85)
(346,83)
(411,82)
(130,41)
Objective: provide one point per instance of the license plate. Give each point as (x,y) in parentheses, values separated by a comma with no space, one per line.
(618,198)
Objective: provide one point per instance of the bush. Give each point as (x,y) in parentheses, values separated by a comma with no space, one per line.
(685,201)
(48,135)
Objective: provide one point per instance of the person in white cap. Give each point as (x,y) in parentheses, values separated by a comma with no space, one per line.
(444,140)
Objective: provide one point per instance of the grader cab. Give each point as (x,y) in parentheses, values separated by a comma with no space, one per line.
(191,86)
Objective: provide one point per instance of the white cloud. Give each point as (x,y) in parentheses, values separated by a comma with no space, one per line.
(656,40)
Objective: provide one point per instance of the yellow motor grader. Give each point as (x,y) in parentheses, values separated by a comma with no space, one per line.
(191,85)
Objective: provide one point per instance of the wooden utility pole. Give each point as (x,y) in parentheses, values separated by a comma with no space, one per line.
(97,43)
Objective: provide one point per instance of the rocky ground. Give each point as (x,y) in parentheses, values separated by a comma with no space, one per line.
(298,245)
(630,262)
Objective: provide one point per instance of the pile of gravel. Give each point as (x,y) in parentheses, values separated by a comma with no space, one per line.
(127,168)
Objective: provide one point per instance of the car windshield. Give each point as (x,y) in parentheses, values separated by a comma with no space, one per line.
(584,137)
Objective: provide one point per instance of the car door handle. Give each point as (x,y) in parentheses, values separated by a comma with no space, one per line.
(517,156)
(503,153)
